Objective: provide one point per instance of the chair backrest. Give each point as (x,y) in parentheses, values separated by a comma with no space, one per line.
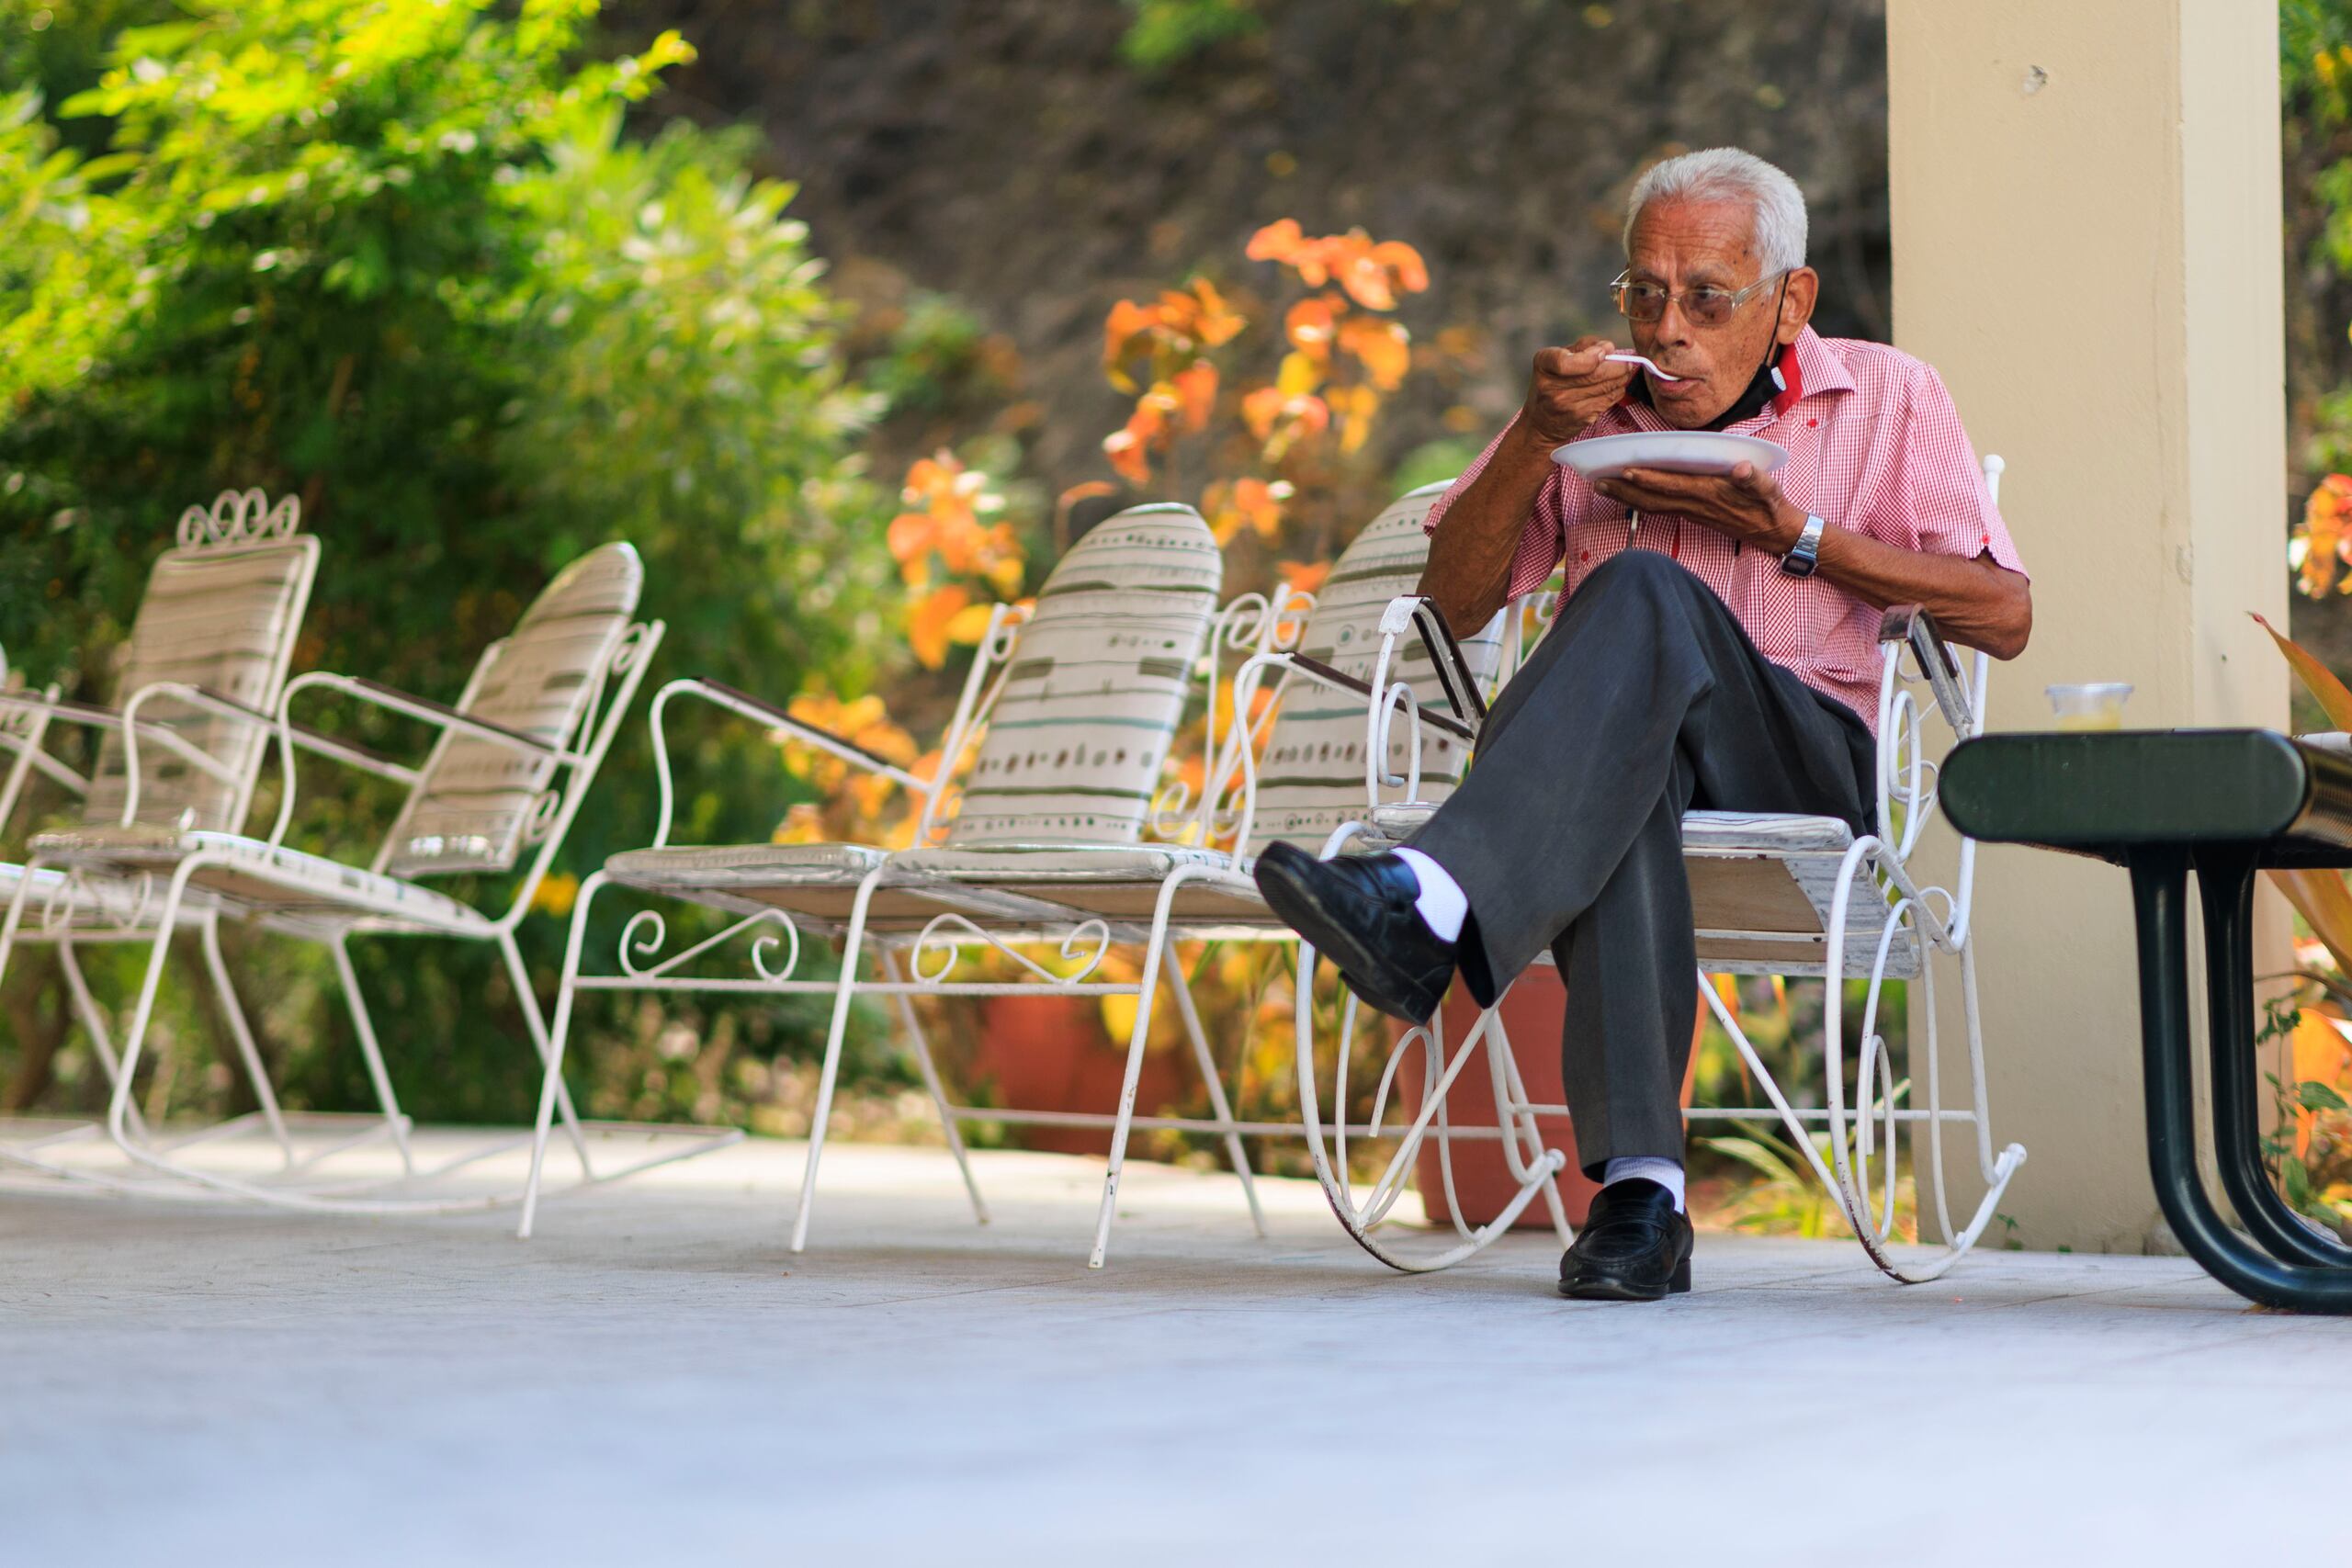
(1095,684)
(221,611)
(1312,776)
(474,803)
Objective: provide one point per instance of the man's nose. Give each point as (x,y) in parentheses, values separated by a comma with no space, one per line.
(1674,323)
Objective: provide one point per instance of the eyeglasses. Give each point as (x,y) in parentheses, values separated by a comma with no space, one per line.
(1706,307)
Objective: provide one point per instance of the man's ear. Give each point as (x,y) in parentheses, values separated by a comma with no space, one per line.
(1797,302)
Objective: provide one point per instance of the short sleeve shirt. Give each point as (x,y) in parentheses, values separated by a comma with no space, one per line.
(1875,447)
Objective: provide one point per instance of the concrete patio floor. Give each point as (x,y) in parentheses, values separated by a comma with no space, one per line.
(656,1380)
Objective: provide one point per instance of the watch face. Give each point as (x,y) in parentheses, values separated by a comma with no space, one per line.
(1805,554)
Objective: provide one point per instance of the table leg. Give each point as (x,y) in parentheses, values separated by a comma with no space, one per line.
(2160,900)
(2226,884)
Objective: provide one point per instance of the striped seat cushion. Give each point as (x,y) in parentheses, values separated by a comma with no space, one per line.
(100,898)
(470,810)
(1096,683)
(1050,866)
(223,617)
(1312,778)
(254,877)
(736,866)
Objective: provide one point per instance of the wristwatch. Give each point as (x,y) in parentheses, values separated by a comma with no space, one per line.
(1804,556)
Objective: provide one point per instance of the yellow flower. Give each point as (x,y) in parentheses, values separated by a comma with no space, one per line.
(556,894)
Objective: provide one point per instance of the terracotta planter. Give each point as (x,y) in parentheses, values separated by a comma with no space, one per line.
(1053,1053)
(1531,1013)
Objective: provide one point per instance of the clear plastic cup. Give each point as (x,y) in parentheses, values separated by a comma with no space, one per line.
(2098,706)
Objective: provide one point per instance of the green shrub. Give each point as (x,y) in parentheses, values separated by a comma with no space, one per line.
(397,257)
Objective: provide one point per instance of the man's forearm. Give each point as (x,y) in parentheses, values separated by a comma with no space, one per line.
(1470,555)
(1975,601)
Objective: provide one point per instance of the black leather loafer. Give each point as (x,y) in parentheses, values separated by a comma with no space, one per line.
(1358,911)
(1636,1246)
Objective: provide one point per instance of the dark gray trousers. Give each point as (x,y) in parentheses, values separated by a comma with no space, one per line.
(1645,699)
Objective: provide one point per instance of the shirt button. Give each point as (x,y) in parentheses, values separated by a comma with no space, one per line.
(1812,423)
(1584,555)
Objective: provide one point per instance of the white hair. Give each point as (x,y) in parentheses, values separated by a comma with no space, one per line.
(1728,173)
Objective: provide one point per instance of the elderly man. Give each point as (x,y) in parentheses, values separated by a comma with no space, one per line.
(1716,648)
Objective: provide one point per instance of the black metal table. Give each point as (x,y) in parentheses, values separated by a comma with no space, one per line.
(2225,803)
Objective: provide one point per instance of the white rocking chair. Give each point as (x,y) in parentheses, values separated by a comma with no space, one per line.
(1798,896)
(1073,708)
(203,669)
(516,757)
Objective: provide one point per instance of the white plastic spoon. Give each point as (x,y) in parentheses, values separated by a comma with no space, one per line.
(1645,364)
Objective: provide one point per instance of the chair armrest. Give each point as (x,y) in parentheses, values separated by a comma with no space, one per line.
(781,717)
(89,716)
(1454,675)
(1912,626)
(1316,670)
(26,745)
(366,758)
(171,740)
(431,712)
(393,699)
(773,715)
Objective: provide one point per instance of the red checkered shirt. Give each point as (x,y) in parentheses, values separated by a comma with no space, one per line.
(1875,447)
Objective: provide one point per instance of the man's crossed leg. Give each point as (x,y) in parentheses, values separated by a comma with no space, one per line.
(1645,699)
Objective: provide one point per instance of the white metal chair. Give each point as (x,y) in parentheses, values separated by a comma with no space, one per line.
(1798,896)
(1328,751)
(1068,714)
(203,668)
(515,759)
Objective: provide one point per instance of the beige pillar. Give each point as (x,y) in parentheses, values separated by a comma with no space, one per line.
(2086,198)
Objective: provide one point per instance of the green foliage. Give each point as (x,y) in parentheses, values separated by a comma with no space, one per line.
(938,357)
(397,257)
(1166,33)
(1432,461)
(2315,92)
(2311,1172)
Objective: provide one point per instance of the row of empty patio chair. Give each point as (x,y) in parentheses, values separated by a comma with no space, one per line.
(1057,831)
(162,847)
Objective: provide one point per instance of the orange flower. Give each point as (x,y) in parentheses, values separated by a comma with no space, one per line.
(1130,447)
(1195,389)
(1370,273)
(1251,503)
(1403,264)
(1383,348)
(1303,577)
(2322,544)
(1277,242)
(1181,323)
(1309,325)
(1278,419)
(1216,323)
(928,620)
(1365,279)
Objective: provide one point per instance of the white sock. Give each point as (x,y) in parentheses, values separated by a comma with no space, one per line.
(1442,905)
(1666,1173)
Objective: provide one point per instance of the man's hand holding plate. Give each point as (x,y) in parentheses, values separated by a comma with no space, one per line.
(1744,504)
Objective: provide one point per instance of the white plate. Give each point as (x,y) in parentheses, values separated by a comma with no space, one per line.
(1677,451)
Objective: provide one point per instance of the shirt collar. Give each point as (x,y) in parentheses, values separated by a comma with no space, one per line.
(1810,370)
